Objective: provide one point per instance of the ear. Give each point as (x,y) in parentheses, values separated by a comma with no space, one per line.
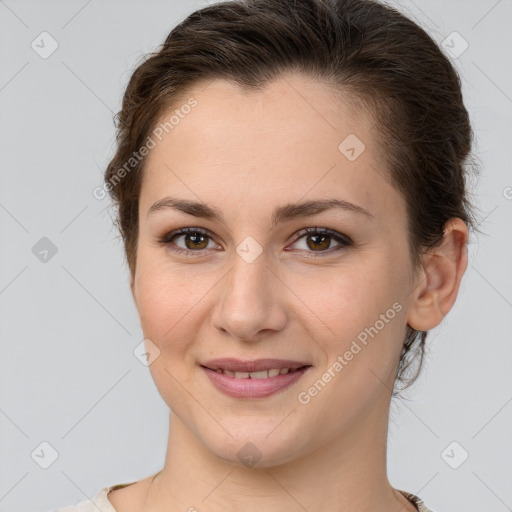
(438,281)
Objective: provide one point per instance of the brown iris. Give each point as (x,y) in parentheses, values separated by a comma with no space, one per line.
(319,244)
(197,240)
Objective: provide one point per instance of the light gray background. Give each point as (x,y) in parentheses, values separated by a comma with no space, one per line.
(69,327)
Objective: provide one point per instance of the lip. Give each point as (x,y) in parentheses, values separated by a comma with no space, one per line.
(252,388)
(237,365)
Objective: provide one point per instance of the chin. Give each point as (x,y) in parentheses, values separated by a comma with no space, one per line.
(253,445)
(257,455)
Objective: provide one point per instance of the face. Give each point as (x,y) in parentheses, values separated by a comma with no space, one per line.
(325,286)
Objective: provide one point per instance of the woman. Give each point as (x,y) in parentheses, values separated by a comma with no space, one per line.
(290,183)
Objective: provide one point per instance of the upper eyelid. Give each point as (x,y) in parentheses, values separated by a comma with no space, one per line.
(176,233)
(327,231)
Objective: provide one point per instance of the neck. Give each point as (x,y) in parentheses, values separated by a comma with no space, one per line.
(347,473)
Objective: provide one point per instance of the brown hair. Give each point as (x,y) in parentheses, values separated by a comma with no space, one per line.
(372,51)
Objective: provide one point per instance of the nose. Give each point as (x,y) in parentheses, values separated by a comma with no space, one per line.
(250,300)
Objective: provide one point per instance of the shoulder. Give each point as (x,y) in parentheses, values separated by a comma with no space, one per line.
(100,501)
(417,501)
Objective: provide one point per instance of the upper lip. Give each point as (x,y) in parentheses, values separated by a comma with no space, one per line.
(236,365)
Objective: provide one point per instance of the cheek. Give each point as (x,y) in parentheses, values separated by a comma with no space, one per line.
(164,296)
(352,297)
(163,308)
(364,314)
(167,308)
(366,319)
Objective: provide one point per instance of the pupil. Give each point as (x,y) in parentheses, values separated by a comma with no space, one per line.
(319,240)
(197,239)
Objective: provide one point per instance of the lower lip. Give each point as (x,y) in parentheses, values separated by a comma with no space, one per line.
(253,388)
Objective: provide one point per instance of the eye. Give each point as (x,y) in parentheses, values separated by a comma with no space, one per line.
(194,240)
(319,240)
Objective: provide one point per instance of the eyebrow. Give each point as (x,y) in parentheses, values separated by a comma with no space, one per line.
(284,213)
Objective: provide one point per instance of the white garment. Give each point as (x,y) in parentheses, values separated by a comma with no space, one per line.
(101,503)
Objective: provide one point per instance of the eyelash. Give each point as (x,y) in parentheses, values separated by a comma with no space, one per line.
(343,240)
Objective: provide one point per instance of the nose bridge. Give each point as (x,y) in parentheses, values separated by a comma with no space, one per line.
(248,277)
(248,301)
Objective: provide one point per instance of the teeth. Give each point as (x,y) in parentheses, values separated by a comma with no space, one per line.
(263,374)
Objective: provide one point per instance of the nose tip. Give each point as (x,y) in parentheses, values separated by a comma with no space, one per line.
(248,302)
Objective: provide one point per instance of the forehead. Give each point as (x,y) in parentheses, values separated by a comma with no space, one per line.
(283,114)
(294,137)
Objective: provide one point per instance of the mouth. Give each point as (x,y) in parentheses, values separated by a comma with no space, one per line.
(253,379)
(262,374)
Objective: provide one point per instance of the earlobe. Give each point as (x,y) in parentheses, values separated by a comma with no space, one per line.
(438,283)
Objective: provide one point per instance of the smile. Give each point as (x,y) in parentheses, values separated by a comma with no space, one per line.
(261,383)
(263,374)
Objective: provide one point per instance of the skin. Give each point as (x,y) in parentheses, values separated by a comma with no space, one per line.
(246,153)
